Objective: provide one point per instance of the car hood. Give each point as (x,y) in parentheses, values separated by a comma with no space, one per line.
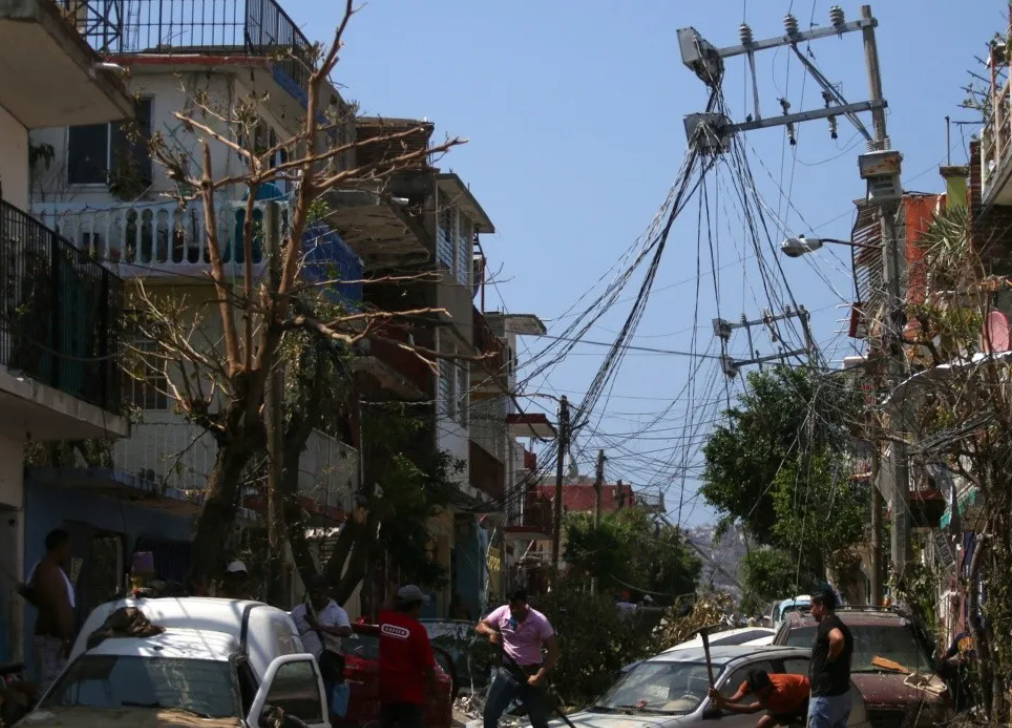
(82,717)
(898,690)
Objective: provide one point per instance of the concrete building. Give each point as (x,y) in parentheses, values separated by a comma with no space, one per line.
(58,308)
(97,183)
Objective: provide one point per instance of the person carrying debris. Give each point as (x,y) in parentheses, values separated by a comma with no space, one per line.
(521,632)
(783,697)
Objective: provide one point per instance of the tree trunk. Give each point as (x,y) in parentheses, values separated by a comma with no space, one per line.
(358,561)
(980,634)
(218,513)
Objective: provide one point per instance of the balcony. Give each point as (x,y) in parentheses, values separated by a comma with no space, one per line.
(255,29)
(59,314)
(396,370)
(173,455)
(536,521)
(162,239)
(995,165)
(56,82)
(489,377)
(487,474)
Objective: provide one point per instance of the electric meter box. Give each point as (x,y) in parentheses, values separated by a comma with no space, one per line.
(881,170)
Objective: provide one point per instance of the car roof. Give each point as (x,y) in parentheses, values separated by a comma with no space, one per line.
(716,637)
(269,632)
(721,654)
(857,617)
(186,644)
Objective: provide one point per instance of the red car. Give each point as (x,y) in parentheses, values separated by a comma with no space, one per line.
(362,673)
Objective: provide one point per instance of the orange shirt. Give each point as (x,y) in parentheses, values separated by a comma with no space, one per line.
(789,693)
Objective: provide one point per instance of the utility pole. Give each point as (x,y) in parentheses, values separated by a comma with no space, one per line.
(722,329)
(598,485)
(274,422)
(711,133)
(877,567)
(560,461)
(893,259)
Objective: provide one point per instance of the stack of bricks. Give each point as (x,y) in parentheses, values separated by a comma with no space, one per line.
(990,227)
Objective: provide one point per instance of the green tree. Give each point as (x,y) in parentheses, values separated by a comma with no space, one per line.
(778,466)
(630,550)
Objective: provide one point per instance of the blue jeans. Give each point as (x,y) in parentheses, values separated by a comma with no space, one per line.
(829,711)
(504,690)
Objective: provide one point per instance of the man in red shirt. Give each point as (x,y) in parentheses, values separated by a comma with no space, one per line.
(784,697)
(406,663)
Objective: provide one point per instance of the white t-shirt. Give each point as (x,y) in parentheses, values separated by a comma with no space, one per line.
(330,616)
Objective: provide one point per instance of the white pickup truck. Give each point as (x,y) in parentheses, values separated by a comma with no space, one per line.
(218,663)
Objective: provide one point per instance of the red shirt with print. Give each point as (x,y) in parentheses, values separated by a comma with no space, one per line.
(404,657)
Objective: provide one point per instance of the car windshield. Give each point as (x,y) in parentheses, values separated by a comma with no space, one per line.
(112,682)
(657,687)
(894,642)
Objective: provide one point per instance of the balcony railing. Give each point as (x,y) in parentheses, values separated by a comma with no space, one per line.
(995,139)
(163,239)
(59,312)
(173,453)
(250,27)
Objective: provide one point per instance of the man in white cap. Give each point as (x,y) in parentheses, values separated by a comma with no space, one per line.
(407,667)
(235,583)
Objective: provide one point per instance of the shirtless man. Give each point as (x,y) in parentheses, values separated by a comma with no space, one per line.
(49,590)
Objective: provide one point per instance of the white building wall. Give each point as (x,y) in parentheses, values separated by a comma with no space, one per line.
(13,160)
(171,91)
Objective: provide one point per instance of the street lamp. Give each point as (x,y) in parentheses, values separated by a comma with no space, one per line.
(796,247)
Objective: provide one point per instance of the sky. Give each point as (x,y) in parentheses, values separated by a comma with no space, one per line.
(573,111)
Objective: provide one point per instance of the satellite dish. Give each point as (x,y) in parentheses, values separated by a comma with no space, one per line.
(996,335)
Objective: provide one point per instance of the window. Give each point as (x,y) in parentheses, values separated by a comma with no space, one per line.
(447,389)
(464,262)
(116,681)
(295,691)
(445,247)
(796,666)
(463,392)
(894,641)
(741,674)
(148,385)
(651,688)
(99,154)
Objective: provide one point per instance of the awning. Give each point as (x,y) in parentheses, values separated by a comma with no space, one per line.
(966,501)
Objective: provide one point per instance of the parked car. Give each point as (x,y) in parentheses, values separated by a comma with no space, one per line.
(473,656)
(746,636)
(362,673)
(801,603)
(914,694)
(671,689)
(215,658)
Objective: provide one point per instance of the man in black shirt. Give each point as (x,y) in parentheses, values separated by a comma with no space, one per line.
(829,671)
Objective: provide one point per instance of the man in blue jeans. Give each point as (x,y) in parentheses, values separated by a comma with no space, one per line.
(522,632)
(829,670)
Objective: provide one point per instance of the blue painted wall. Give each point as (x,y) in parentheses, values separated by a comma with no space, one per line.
(470,569)
(48,506)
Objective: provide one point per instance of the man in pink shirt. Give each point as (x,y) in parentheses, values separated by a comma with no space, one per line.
(522,632)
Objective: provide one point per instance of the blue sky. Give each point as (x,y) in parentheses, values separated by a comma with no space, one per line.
(573,110)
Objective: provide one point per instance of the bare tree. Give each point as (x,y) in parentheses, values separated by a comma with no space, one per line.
(218,354)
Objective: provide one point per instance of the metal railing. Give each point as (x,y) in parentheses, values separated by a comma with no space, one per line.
(59,312)
(173,453)
(250,27)
(995,137)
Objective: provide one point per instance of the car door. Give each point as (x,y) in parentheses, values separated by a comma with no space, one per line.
(799,666)
(729,684)
(293,684)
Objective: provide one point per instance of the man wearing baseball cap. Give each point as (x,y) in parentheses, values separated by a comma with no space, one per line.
(407,667)
(234,585)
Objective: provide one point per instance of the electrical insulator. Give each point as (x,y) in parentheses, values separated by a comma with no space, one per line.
(836,17)
(827,97)
(832,127)
(745,34)
(785,105)
(790,135)
(790,25)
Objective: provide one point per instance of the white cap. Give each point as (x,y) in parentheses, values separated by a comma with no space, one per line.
(236,567)
(411,594)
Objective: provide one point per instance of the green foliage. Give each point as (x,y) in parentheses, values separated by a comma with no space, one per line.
(594,641)
(764,572)
(416,483)
(628,550)
(778,466)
